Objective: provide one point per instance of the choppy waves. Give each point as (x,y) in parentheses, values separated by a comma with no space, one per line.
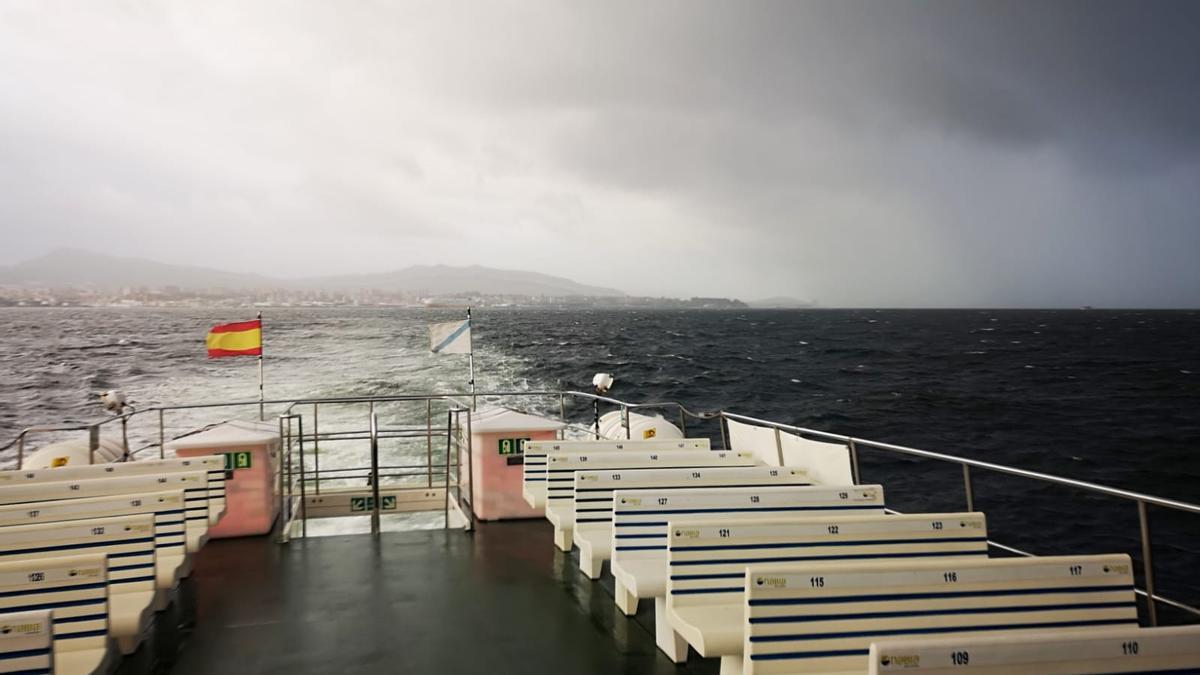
(1110,397)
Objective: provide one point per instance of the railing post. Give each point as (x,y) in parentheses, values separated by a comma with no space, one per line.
(303,491)
(967,489)
(162,434)
(446,462)
(93,442)
(283,516)
(370,416)
(21,450)
(562,407)
(1147,562)
(374,474)
(286,474)
(724,437)
(470,474)
(125,436)
(682,422)
(625,417)
(316,450)
(779,446)
(429,439)
(853,448)
(596,410)
(291,470)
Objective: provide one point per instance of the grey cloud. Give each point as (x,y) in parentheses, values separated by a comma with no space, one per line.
(880,153)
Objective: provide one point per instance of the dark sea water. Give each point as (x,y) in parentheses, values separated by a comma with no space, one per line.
(1111,397)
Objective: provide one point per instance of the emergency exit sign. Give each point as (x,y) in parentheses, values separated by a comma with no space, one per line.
(512,446)
(386,503)
(236,460)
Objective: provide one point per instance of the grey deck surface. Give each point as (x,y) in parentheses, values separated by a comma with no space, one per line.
(500,600)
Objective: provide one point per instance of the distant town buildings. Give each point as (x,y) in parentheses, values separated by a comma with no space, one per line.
(174,296)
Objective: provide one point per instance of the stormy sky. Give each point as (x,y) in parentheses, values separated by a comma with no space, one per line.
(886,153)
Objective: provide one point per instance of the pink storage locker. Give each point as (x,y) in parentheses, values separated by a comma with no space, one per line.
(251,452)
(497,461)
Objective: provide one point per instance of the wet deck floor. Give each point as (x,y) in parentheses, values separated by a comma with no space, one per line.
(500,600)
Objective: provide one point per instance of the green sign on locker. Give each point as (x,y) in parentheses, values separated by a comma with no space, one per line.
(512,446)
(237,460)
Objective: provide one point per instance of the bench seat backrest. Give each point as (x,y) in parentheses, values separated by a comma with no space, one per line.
(823,617)
(594,498)
(594,490)
(195,487)
(75,588)
(707,559)
(561,468)
(585,444)
(1174,649)
(27,642)
(212,465)
(640,516)
(167,507)
(128,541)
(533,472)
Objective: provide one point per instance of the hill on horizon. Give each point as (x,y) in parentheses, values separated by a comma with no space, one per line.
(73,267)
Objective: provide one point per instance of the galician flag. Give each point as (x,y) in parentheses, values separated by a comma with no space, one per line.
(453,337)
(235,339)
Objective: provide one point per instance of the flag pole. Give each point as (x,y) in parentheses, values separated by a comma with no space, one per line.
(471,356)
(261,414)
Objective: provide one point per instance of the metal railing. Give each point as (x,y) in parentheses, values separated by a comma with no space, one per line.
(455,474)
(1140,500)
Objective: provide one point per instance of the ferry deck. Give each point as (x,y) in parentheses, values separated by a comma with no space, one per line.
(499,600)
(466,594)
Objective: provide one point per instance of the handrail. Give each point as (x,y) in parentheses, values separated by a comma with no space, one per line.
(1138,498)
(723,417)
(374,473)
(292,402)
(990,466)
(719,415)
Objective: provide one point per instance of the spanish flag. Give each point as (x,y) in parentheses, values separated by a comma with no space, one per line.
(235,339)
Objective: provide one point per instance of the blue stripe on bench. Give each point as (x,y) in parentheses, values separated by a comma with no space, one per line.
(765,509)
(132,580)
(886,597)
(806,618)
(919,631)
(38,591)
(90,544)
(84,617)
(812,558)
(84,634)
(860,542)
(60,604)
(693,487)
(24,654)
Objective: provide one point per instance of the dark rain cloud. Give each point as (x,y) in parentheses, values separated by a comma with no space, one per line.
(880,153)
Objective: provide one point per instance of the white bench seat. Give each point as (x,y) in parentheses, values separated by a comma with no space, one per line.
(533,472)
(594,500)
(127,541)
(75,590)
(170,537)
(194,484)
(27,642)
(560,489)
(212,465)
(714,630)
(707,561)
(1174,649)
(639,544)
(823,617)
(81,662)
